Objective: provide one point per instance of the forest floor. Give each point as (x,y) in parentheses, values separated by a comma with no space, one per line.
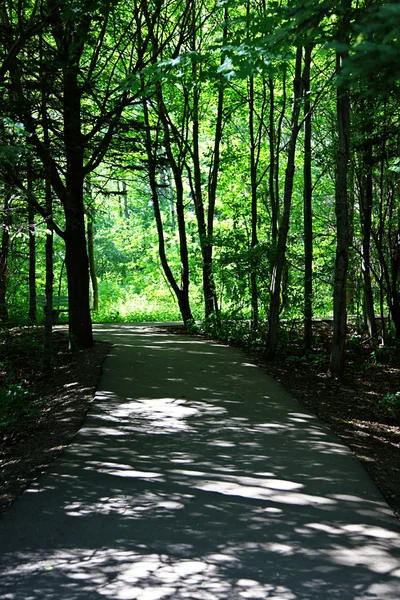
(39,425)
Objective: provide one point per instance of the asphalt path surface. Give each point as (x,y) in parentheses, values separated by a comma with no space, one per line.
(197,476)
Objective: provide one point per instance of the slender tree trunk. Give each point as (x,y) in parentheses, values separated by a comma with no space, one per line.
(48,311)
(353,269)
(366,193)
(32,252)
(210,300)
(278,138)
(277,272)
(272,162)
(308,224)
(336,363)
(125,198)
(253,183)
(181,292)
(214,173)
(183,296)
(4,251)
(92,264)
(395,253)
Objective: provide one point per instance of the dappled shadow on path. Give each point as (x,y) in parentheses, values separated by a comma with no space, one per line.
(196,476)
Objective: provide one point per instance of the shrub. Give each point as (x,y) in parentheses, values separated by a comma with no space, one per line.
(389,406)
(17,407)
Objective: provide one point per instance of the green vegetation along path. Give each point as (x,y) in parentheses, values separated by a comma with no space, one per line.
(196,476)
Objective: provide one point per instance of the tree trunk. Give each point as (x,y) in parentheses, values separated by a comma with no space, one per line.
(5,246)
(336,363)
(210,300)
(32,253)
(181,292)
(353,268)
(48,310)
(76,258)
(253,183)
(276,279)
(183,296)
(366,197)
(92,264)
(308,224)
(272,166)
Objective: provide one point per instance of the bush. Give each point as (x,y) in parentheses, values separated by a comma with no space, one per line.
(18,409)
(389,406)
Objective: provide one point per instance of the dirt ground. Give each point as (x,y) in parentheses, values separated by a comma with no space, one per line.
(61,401)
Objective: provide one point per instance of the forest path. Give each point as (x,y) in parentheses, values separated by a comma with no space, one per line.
(196,476)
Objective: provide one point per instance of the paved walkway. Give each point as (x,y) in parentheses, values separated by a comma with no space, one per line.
(196,476)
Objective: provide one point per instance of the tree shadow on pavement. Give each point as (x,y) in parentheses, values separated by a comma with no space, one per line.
(197,476)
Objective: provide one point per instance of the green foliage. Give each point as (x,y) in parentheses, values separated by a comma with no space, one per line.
(374,57)
(389,406)
(18,408)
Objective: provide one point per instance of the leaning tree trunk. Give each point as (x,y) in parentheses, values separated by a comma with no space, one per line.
(277,272)
(181,292)
(336,363)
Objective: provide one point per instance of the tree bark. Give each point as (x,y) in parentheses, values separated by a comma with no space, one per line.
(272,162)
(76,258)
(4,251)
(92,265)
(366,199)
(48,310)
(32,252)
(181,292)
(254,207)
(336,363)
(183,295)
(209,293)
(308,219)
(276,279)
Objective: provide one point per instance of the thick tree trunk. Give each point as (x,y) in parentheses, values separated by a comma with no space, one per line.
(76,258)
(276,279)
(336,363)
(4,251)
(308,218)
